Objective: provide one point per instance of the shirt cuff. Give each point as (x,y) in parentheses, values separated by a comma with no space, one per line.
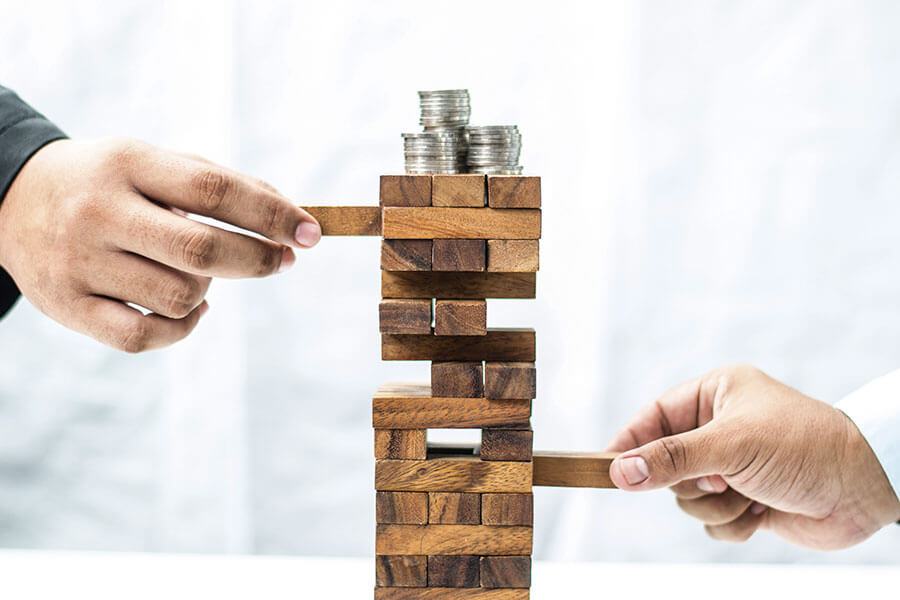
(875,409)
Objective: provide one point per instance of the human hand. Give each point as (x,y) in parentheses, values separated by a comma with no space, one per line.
(744,452)
(87,227)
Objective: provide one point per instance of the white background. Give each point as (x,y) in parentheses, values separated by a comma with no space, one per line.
(720,184)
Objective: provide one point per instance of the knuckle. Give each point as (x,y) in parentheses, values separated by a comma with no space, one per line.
(135,338)
(198,248)
(268,262)
(181,298)
(273,216)
(212,188)
(673,453)
(122,153)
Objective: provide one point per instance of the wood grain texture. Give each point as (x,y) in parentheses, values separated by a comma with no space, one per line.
(454,571)
(448,413)
(401,444)
(506,444)
(406,255)
(459,317)
(347,220)
(461,223)
(459,255)
(457,379)
(458,285)
(452,474)
(401,571)
(442,540)
(507,509)
(514,191)
(458,190)
(510,380)
(513,256)
(515,345)
(405,190)
(453,508)
(409,508)
(450,594)
(405,316)
(506,571)
(573,469)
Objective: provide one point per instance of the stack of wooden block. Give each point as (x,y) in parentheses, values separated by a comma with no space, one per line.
(456,522)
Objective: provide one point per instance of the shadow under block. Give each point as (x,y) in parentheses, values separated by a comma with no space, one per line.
(408,508)
(460,285)
(405,316)
(401,571)
(444,540)
(406,255)
(459,255)
(457,379)
(458,190)
(510,380)
(573,469)
(405,190)
(506,444)
(401,444)
(460,317)
(505,571)
(511,191)
(433,593)
(454,571)
(453,508)
(513,256)
(509,345)
(452,474)
(347,220)
(507,509)
(410,223)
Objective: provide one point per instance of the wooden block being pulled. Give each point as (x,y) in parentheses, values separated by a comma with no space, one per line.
(457,285)
(510,380)
(453,508)
(460,317)
(433,593)
(406,255)
(506,444)
(458,190)
(461,223)
(457,379)
(347,220)
(401,571)
(573,469)
(454,571)
(459,255)
(442,540)
(452,474)
(514,191)
(507,509)
(401,444)
(405,316)
(505,571)
(513,256)
(503,345)
(409,508)
(405,190)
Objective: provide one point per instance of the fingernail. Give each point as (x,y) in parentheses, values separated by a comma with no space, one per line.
(705,485)
(635,470)
(757,509)
(287,260)
(308,234)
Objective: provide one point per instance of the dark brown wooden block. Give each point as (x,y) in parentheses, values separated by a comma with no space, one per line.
(573,469)
(461,223)
(507,509)
(410,508)
(406,255)
(506,444)
(498,345)
(513,191)
(454,508)
(459,255)
(513,256)
(510,380)
(399,412)
(443,540)
(505,571)
(457,379)
(405,316)
(460,317)
(458,190)
(401,571)
(454,571)
(457,285)
(434,593)
(347,220)
(405,190)
(452,474)
(401,444)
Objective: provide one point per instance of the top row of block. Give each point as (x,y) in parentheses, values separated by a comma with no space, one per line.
(495,191)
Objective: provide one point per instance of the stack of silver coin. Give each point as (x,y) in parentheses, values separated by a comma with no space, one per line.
(441,148)
(494,149)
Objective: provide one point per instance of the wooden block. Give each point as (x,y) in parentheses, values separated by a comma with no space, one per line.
(457,285)
(457,379)
(450,594)
(447,413)
(513,256)
(507,509)
(506,444)
(410,508)
(405,316)
(573,469)
(458,190)
(453,508)
(460,317)
(510,380)
(405,190)
(401,444)
(452,474)
(347,220)
(505,571)
(459,255)
(406,255)
(514,345)
(454,571)
(433,223)
(513,191)
(401,571)
(443,540)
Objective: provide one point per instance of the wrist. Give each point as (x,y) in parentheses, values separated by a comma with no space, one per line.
(865,481)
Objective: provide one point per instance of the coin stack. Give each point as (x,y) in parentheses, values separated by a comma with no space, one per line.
(494,149)
(441,148)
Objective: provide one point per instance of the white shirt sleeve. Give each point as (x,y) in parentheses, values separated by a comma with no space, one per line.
(875,409)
